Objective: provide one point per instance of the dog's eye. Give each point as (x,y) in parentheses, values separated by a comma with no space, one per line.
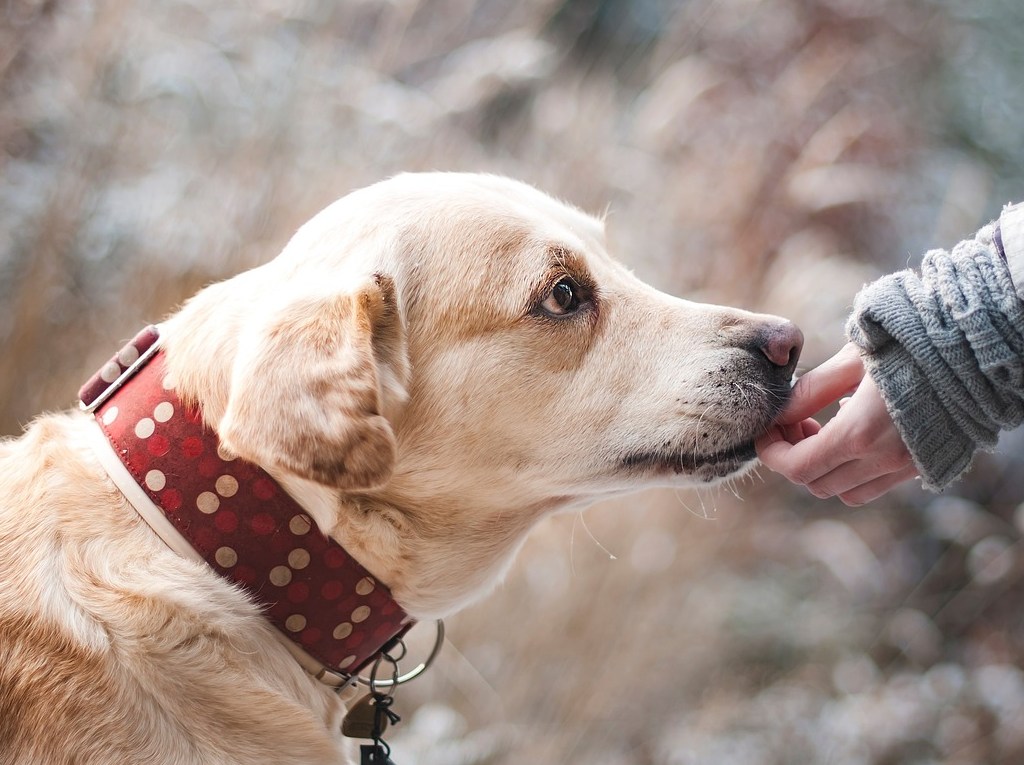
(563,299)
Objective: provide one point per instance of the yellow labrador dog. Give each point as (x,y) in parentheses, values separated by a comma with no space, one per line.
(431,366)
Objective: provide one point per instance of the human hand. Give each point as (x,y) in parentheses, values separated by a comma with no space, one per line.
(858,455)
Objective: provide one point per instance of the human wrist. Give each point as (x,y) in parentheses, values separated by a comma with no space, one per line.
(941,450)
(937,346)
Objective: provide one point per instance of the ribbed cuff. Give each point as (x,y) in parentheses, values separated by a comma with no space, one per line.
(941,450)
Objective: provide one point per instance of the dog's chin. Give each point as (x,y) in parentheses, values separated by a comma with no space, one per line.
(707,467)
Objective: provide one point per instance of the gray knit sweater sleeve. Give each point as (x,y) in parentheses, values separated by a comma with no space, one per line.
(946,349)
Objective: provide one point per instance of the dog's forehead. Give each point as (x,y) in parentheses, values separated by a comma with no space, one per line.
(485,224)
(444,214)
(492,203)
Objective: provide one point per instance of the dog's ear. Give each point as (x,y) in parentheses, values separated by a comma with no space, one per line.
(309,384)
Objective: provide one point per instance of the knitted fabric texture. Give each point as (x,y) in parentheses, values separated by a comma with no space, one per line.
(946,349)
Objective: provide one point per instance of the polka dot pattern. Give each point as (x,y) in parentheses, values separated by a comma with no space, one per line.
(155,480)
(117,365)
(361,614)
(145,427)
(207,502)
(248,529)
(225,557)
(280,575)
(110,372)
(226,486)
(163,411)
(299,559)
(299,525)
(127,356)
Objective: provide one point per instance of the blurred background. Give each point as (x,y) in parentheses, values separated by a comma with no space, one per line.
(772,154)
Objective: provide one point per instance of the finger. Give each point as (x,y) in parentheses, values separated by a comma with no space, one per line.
(807,461)
(785,436)
(798,431)
(809,427)
(791,434)
(824,384)
(875,489)
(858,472)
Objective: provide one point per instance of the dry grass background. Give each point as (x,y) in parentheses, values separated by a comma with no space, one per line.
(772,154)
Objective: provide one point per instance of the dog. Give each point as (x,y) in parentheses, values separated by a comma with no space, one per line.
(431,366)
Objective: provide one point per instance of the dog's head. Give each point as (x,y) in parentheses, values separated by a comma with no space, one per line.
(462,348)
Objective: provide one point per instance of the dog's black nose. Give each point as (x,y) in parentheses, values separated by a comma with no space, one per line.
(781,344)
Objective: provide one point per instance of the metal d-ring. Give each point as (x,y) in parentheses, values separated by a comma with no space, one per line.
(413,673)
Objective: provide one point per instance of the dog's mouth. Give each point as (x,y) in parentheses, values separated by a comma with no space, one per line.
(671,458)
(708,465)
(723,444)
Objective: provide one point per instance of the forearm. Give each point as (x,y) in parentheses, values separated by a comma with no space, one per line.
(946,349)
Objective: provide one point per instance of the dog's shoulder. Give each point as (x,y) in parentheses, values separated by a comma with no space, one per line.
(110,643)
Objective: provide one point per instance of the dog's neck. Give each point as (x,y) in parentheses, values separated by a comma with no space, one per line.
(209,506)
(432,569)
(435,553)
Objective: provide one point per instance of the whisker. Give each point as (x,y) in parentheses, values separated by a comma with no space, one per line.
(696,432)
(689,509)
(586,528)
(572,545)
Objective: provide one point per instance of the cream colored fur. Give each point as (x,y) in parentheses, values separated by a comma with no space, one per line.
(395,368)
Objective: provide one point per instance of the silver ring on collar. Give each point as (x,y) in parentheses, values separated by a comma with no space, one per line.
(413,673)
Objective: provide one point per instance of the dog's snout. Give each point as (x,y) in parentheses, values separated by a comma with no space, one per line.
(781,344)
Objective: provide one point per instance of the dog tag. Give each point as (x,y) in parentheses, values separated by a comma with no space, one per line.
(372,754)
(361,719)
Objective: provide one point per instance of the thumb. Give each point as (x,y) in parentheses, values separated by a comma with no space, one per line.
(824,385)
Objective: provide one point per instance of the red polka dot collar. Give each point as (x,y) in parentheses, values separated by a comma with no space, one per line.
(236,518)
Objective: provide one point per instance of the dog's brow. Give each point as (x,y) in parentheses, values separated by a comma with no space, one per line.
(569,262)
(561,258)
